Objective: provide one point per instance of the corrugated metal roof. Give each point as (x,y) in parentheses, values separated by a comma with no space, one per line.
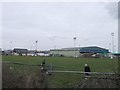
(66,49)
(93,49)
(18,50)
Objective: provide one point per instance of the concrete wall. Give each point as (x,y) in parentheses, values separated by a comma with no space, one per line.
(67,53)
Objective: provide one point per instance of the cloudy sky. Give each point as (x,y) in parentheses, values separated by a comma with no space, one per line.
(54,25)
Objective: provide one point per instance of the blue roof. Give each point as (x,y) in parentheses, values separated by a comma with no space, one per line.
(93,49)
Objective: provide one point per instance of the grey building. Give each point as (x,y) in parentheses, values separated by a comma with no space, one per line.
(94,51)
(7,52)
(67,52)
(79,51)
(20,51)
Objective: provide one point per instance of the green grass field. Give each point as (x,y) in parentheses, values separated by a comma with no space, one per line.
(62,63)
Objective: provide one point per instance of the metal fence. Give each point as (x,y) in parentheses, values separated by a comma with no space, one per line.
(37,76)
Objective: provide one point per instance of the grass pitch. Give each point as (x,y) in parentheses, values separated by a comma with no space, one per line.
(61,63)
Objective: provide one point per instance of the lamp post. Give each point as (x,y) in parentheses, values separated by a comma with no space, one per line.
(55,47)
(74,38)
(114,48)
(36,47)
(110,47)
(112,34)
(10,45)
(11,48)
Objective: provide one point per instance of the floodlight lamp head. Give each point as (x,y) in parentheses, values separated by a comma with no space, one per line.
(112,33)
(74,38)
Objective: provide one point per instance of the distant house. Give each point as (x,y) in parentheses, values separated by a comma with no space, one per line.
(31,52)
(7,52)
(43,53)
(37,53)
(20,51)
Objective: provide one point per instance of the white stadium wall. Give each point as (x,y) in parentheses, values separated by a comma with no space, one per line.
(67,53)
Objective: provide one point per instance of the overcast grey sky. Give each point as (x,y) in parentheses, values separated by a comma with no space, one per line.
(54,25)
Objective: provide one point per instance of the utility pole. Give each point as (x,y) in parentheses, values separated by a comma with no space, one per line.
(11,48)
(110,47)
(112,44)
(36,47)
(10,45)
(74,38)
(112,34)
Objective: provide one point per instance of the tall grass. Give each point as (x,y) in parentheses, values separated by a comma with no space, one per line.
(62,63)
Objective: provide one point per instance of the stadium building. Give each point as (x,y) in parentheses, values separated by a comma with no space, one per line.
(67,52)
(20,51)
(92,51)
(7,52)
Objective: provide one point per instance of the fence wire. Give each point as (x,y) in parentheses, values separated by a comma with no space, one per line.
(23,75)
